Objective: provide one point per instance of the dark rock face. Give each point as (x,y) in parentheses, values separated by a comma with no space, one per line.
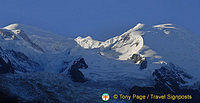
(11,61)
(170,77)
(7,34)
(21,62)
(136,58)
(80,63)
(5,64)
(143,65)
(168,80)
(5,67)
(74,72)
(76,75)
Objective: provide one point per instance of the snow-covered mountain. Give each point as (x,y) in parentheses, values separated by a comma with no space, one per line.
(142,56)
(48,50)
(158,44)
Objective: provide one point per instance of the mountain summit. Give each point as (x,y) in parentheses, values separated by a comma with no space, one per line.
(158,43)
(163,56)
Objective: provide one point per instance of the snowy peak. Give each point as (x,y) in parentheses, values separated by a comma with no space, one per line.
(159,44)
(120,47)
(12,33)
(35,38)
(47,49)
(148,41)
(123,39)
(122,61)
(138,26)
(12,27)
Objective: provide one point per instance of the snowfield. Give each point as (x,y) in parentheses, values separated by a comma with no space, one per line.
(160,44)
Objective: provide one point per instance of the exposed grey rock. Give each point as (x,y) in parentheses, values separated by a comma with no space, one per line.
(5,64)
(74,72)
(22,63)
(143,65)
(5,67)
(170,77)
(7,35)
(136,57)
(17,62)
(168,80)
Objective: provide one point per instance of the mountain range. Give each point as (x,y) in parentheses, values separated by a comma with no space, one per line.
(39,66)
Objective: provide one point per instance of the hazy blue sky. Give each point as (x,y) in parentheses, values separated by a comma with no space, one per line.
(99,18)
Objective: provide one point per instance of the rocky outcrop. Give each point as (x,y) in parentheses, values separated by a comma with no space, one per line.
(143,65)
(7,35)
(5,66)
(138,59)
(74,72)
(22,63)
(169,79)
(12,61)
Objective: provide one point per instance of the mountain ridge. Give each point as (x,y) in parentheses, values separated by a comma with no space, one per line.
(121,62)
(177,45)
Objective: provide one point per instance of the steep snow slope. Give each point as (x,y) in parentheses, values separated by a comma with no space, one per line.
(46,40)
(109,61)
(58,49)
(160,44)
(123,46)
(49,50)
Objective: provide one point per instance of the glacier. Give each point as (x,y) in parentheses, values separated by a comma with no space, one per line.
(41,61)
